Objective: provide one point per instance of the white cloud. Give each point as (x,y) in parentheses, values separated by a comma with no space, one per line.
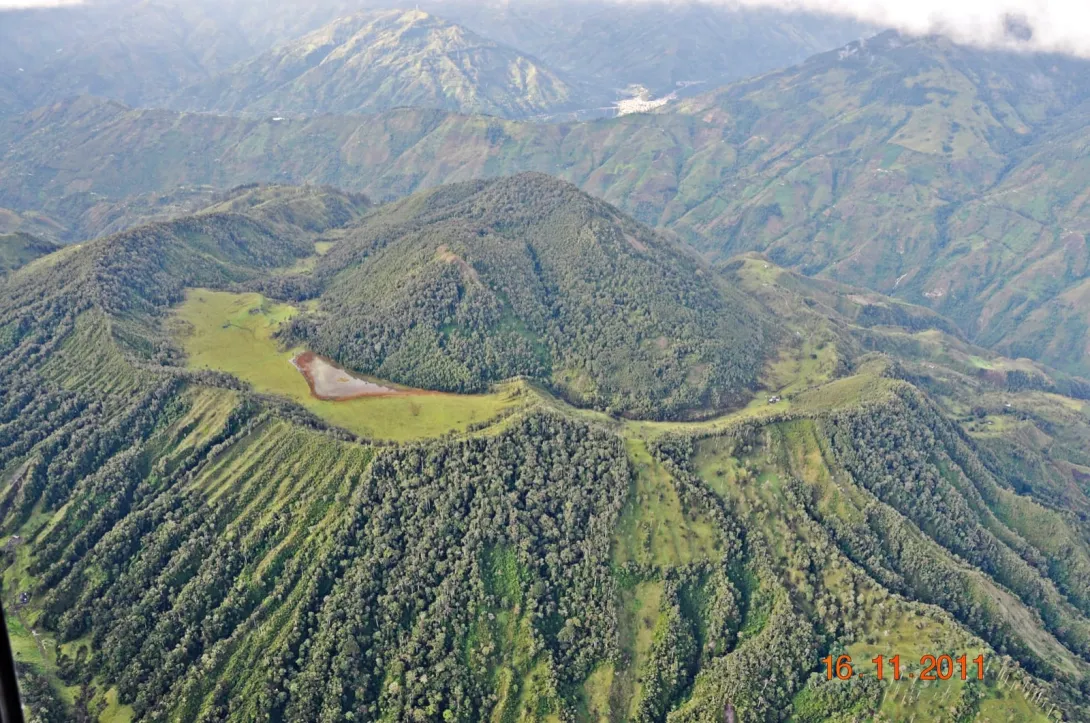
(1047,25)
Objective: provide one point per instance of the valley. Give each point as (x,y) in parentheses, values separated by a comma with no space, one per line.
(836,195)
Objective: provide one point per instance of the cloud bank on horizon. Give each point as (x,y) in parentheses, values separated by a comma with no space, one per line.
(23,4)
(1061,26)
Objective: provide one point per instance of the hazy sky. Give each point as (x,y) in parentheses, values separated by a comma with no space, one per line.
(1056,25)
(34,3)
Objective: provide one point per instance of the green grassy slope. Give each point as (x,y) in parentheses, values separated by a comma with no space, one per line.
(19,249)
(195,548)
(233,333)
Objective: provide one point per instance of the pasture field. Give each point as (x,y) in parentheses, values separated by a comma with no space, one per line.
(234,333)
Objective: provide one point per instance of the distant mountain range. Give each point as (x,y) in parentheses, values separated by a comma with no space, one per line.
(377,61)
(945,176)
(662,46)
(146,54)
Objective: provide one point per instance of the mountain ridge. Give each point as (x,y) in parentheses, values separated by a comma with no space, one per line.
(541,281)
(374,61)
(835,194)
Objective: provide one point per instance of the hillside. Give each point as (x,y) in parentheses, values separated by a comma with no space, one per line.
(377,61)
(902,167)
(19,249)
(945,176)
(475,283)
(550,562)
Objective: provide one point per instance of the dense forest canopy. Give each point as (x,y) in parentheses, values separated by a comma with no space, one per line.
(528,276)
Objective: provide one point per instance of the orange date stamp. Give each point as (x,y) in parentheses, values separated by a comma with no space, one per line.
(932,667)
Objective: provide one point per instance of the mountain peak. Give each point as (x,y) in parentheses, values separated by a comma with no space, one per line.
(372,61)
(470,284)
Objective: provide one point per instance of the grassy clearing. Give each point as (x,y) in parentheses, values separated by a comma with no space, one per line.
(307,264)
(233,333)
(654,528)
(24,648)
(883,624)
(596,691)
(115,712)
(639,618)
(799,368)
(866,385)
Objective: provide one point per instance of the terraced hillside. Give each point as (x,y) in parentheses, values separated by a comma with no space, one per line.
(197,541)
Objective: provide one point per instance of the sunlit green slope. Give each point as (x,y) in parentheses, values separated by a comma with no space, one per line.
(206,544)
(233,333)
(19,249)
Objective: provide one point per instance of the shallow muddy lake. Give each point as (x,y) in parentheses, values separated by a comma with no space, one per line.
(331,383)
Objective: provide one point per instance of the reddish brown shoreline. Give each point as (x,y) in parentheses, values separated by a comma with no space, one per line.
(304,361)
